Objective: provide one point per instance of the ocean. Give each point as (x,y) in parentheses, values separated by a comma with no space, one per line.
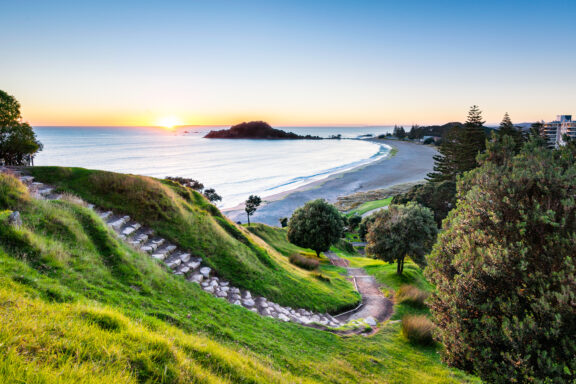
(235,168)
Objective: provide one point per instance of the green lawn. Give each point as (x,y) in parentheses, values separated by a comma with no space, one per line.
(77,305)
(370,205)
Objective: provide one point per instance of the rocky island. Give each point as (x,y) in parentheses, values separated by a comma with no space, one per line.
(256,130)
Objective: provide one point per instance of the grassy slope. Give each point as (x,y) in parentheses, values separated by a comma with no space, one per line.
(76,305)
(370,205)
(188,219)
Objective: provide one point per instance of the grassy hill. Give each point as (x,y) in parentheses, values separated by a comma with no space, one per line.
(77,305)
(188,219)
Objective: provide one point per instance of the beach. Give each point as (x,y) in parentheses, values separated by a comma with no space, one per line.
(410,163)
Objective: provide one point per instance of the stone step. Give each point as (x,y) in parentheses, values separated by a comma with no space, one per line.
(105,215)
(27,179)
(152,245)
(137,240)
(117,223)
(45,191)
(130,228)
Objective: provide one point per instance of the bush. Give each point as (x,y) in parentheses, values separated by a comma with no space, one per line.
(304,262)
(418,329)
(412,295)
(13,194)
(505,271)
(345,246)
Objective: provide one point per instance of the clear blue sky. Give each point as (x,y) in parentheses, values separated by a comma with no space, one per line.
(288,62)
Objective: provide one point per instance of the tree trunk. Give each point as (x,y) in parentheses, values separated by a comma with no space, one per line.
(317,253)
(400,267)
(248,219)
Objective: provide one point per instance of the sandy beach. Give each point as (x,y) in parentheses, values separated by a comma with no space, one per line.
(411,163)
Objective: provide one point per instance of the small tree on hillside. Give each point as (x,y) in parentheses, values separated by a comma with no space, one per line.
(251,205)
(505,271)
(400,231)
(211,195)
(440,197)
(188,183)
(316,225)
(18,143)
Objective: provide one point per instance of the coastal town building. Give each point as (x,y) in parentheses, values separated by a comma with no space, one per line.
(554,131)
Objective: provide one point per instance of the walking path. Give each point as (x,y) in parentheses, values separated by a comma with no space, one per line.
(375,306)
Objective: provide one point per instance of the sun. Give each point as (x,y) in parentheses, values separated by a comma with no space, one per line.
(168,122)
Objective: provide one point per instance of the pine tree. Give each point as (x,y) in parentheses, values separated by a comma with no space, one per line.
(459,148)
(507,128)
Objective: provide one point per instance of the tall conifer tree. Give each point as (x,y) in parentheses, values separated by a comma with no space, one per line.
(459,148)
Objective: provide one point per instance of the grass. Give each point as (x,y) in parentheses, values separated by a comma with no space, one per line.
(418,329)
(411,294)
(188,219)
(304,262)
(370,205)
(77,305)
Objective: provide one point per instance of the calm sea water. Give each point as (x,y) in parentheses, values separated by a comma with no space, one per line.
(235,168)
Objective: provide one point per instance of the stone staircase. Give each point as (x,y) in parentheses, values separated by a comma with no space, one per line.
(184,263)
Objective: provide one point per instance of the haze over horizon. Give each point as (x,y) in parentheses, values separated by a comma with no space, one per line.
(288,63)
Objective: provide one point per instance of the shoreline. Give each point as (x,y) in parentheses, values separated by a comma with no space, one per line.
(410,163)
(313,183)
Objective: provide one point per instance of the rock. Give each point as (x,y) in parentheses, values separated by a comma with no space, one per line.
(283,317)
(224,289)
(221,294)
(197,278)
(15,219)
(185,257)
(174,263)
(370,321)
(247,295)
(248,302)
(224,283)
(237,302)
(209,289)
(266,312)
(205,271)
(194,264)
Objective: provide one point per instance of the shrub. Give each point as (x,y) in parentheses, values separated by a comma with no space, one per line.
(304,262)
(13,194)
(505,271)
(321,277)
(345,246)
(411,294)
(418,329)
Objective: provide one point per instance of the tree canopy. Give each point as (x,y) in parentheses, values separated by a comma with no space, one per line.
(505,268)
(400,231)
(440,197)
(316,225)
(508,128)
(18,143)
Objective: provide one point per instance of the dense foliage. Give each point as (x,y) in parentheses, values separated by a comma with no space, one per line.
(18,143)
(317,225)
(400,231)
(459,148)
(505,267)
(507,128)
(440,197)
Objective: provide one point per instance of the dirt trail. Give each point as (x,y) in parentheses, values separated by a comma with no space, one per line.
(374,303)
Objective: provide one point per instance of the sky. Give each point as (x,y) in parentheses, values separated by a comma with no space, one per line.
(217,62)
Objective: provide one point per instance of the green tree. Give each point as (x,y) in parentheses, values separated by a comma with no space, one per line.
(316,225)
(508,128)
(251,205)
(399,132)
(400,231)
(354,221)
(459,148)
(505,268)
(211,195)
(440,197)
(18,143)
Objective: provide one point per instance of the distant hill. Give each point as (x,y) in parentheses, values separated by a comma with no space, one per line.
(256,130)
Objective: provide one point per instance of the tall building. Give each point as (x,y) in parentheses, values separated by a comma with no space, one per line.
(555,130)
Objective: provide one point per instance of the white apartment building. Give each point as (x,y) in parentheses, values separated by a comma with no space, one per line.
(555,130)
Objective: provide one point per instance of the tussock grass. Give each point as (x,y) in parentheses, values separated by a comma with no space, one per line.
(305,262)
(411,294)
(13,194)
(418,329)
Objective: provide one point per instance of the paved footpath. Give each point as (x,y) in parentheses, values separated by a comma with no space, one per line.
(374,303)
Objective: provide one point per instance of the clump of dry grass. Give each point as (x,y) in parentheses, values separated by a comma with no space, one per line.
(418,329)
(71,198)
(13,194)
(304,262)
(412,295)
